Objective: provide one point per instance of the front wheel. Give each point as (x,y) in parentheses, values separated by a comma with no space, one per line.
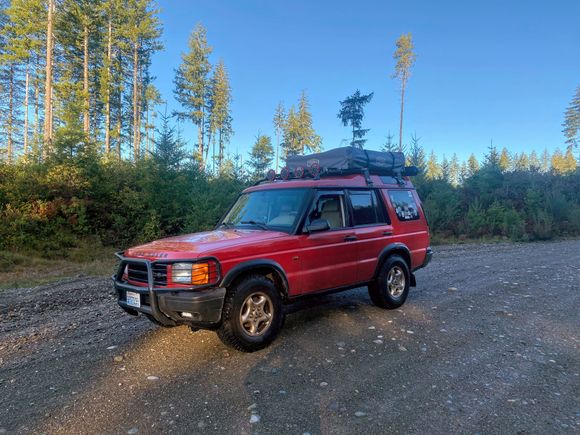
(391,287)
(252,315)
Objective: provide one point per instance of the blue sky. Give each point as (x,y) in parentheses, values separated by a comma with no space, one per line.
(501,70)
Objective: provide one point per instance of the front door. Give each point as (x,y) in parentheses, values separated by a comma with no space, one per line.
(328,258)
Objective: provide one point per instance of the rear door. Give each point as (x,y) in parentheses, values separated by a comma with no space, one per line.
(372,227)
(328,258)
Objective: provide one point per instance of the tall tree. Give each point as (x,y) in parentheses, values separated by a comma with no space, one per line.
(143,35)
(545,161)
(191,83)
(405,59)
(168,151)
(454,171)
(352,113)
(299,134)
(521,162)
(261,156)
(572,120)
(220,119)
(535,164)
(47,145)
(279,125)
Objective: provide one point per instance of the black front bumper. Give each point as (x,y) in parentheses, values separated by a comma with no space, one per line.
(166,306)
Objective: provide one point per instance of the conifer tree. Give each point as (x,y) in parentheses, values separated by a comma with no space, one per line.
(191,83)
(299,135)
(545,162)
(521,162)
(261,156)
(572,120)
(505,162)
(220,120)
(48,116)
(472,166)
(169,151)
(491,159)
(389,145)
(433,171)
(405,59)
(416,156)
(454,171)
(352,113)
(279,123)
(535,164)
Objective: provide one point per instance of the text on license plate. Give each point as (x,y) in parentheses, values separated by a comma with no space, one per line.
(133,299)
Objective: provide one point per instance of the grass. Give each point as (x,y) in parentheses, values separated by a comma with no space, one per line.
(28,269)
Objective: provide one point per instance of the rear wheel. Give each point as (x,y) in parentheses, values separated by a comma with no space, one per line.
(391,287)
(252,315)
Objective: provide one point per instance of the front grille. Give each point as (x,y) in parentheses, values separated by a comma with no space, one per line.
(137,272)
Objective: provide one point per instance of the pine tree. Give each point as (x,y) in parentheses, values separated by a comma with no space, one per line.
(48,116)
(454,171)
(389,145)
(491,159)
(570,162)
(558,162)
(152,100)
(463,172)
(144,31)
(472,166)
(535,164)
(545,162)
(433,171)
(299,135)
(505,162)
(26,21)
(405,58)
(445,169)
(279,123)
(572,120)
(521,162)
(416,156)
(169,151)
(220,120)
(191,83)
(261,156)
(352,113)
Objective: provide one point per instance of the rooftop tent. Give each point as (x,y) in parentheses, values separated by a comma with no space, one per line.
(350,158)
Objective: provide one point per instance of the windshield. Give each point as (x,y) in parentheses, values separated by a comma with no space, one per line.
(276,209)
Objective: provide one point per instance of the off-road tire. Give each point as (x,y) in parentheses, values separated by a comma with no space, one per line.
(231,331)
(379,289)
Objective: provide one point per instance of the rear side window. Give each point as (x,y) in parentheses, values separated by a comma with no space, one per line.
(404,204)
(366,208)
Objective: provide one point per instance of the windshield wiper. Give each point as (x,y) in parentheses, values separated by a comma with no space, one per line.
(227,224)
(261,225)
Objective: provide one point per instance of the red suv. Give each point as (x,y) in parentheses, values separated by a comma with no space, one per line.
(305,232)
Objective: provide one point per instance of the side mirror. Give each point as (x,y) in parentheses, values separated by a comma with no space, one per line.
(318,225)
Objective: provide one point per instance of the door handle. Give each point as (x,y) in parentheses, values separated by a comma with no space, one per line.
(387,233)
(350,238)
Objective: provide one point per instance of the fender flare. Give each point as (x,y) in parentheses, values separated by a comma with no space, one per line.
(398,248)
(262,264)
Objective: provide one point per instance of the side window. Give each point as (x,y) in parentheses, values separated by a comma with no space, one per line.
(331,208)
(367,210)
(404,205)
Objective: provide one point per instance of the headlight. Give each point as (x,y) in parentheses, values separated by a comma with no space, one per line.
(190,273)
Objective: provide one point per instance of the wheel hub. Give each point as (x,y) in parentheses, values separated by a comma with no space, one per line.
(396,282)
(256,314)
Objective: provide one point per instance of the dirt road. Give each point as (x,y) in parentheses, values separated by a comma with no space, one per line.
(489,342)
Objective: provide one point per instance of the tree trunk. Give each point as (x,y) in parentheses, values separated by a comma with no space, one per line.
(10,120)
(277,148)
(136,150)
(36,110)
(48,81)
(108,87)
(87,97)
(200,143)
(26,87)
(221,152)
(403,83)
(147,144)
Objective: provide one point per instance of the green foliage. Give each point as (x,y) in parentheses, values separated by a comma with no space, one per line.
(352,113)
(299,134)
(261,156)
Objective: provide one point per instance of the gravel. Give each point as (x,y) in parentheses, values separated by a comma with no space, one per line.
(500,354)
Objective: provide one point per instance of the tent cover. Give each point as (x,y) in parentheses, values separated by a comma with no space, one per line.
(350,158)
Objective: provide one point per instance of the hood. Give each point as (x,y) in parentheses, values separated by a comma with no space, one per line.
(199,244)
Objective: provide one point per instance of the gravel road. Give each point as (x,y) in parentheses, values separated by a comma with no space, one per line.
(488,342)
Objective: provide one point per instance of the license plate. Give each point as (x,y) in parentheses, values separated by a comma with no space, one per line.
(133,299)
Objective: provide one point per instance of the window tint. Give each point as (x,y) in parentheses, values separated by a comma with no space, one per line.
(366,208)
(331,208)
(404,205)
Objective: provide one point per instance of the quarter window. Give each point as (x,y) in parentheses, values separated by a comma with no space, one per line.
(404,204)
(366,208)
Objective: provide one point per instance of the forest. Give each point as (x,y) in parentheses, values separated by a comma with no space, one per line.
(90,156)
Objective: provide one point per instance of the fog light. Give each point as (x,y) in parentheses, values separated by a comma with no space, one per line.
(187,315)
